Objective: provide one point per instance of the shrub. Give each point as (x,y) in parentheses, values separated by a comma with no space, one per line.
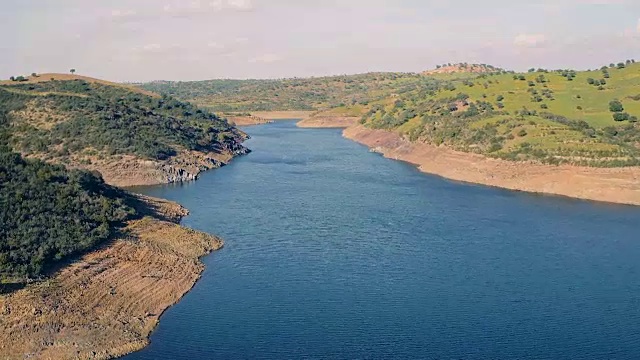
(522,133)
(619,116)
(500,98)
(615,106)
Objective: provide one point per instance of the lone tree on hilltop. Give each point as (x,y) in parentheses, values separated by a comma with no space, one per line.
(72,71)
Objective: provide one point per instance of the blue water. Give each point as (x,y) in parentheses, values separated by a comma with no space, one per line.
(333,252)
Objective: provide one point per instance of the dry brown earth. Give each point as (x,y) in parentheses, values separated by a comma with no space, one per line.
(616,185)
(107,303)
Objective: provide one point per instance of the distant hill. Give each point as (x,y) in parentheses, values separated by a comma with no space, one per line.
(289,94)
(131,136)
(463,68)
(558,116)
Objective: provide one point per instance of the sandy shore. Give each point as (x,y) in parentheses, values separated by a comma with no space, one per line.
(283,115)
(328,122)
(107,303)
(615,185)
(246,120)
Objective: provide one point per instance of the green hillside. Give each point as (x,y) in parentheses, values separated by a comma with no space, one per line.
(563,116)
(289,94)
(554,116)
(48,213)
(77,122)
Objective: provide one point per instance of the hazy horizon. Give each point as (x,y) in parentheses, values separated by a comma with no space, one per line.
(145,40)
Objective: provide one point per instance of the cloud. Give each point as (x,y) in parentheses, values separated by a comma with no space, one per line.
(266,59)
(117,13)
(529,40)
(182,8)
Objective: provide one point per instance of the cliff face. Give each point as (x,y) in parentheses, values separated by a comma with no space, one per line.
(185,166)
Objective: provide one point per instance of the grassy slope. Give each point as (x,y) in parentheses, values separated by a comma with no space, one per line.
(69,77)
(570,122)
(595,103)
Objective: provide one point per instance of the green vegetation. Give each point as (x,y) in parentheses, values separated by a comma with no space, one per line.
(551,116)
(290,94)
(573,125)
(48,213)
(58,119)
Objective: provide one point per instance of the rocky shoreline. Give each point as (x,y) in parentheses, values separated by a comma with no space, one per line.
(613,185)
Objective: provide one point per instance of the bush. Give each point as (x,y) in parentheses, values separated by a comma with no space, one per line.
(615,106)
(499,98)
(522,133)
(619,116)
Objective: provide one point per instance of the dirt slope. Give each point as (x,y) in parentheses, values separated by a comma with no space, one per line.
(616,185)
(107,303)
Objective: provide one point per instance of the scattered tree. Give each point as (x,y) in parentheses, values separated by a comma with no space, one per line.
(615,106)
(620,116)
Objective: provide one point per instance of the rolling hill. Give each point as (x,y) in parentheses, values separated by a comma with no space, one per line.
(552,116)
(289,94)
(132,137)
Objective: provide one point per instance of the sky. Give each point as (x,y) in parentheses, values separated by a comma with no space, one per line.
(144,40)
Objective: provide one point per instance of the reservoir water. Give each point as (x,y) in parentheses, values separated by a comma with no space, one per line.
(333,252)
